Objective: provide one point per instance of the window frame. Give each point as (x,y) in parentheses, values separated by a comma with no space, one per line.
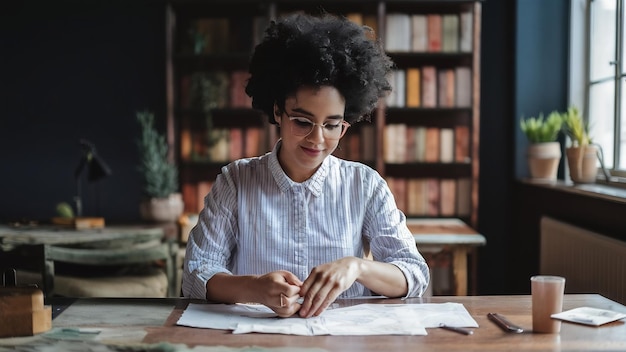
(580,73)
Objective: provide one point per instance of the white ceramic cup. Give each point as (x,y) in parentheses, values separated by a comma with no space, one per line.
(547,296)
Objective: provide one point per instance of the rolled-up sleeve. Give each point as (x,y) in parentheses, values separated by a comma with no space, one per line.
(392,242)
(212,241)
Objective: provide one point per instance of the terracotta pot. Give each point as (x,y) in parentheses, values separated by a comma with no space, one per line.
(543,161)
(582,163)
(162,209)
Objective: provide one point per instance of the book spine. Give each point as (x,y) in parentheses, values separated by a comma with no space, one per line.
(434,32)
(429,87)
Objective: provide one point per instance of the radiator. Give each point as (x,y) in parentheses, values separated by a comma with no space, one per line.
(589,261)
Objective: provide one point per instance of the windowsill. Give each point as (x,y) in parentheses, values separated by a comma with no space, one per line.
(596,190)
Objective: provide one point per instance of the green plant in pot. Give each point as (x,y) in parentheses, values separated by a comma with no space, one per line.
(161,200)
(582,155)
(544,151)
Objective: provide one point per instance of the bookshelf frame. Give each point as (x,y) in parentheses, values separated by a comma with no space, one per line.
(179,62)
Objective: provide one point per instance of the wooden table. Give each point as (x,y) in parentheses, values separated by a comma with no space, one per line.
(435,235)
(151,321)
(36,248)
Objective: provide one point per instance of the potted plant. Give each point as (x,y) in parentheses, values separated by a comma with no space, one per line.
(582,154)
(544,151)
(161,200)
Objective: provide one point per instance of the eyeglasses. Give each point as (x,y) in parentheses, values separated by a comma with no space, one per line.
(301,127)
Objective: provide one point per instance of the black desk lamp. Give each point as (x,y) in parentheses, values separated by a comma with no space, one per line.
(96,170)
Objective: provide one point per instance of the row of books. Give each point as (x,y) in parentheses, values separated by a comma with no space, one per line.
(407,143)
(429,87)
(401,144)
(450,32)
(426,87)
(208,90)
(428,32)
(221,144)
(358,144)
(431,196)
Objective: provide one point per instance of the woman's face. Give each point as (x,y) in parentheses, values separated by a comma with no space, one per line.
(301,155)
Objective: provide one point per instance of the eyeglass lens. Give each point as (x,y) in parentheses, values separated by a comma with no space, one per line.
(303,127)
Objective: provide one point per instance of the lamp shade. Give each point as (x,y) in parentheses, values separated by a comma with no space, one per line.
(96,166)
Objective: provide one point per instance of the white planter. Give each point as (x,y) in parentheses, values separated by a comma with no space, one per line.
(543,161)
(162,209)
(582,163)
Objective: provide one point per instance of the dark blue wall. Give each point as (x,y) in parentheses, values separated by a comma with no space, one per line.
(541,65)
(541,85)
(71,70)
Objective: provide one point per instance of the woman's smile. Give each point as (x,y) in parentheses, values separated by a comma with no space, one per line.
(312,151)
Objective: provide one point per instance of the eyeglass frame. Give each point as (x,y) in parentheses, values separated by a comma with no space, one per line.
(344,126)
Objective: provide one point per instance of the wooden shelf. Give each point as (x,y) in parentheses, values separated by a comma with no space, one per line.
(199,171)
(429,170)
(436,117)
(440,60)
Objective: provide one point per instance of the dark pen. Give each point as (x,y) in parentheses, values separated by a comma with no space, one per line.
(455,329)
(504,323)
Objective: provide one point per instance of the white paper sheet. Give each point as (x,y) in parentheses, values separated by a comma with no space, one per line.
(589,316)
(362,319)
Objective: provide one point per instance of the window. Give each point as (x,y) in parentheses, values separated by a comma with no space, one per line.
(604,67)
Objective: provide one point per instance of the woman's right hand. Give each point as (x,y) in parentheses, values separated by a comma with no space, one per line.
(280,291)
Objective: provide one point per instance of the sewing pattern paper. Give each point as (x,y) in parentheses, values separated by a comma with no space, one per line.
(361,319)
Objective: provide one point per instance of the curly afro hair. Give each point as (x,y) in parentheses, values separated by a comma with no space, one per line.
(304,50)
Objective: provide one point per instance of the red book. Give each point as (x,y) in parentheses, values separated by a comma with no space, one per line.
(190,197)
(398,188)
(461,144)
(429,87)
(431,154)
(433,196)
(434,32)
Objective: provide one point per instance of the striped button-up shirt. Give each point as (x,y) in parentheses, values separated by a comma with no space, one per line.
(257,220)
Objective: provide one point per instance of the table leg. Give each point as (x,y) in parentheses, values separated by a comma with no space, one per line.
(459,267)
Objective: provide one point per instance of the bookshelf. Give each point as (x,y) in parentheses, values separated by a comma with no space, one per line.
(426,134)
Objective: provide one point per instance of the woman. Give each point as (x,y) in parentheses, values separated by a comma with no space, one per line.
(289,229)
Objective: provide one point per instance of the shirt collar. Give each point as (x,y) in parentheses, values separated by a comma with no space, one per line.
(313,184)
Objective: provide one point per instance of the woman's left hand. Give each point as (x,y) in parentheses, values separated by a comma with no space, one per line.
(326,282)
